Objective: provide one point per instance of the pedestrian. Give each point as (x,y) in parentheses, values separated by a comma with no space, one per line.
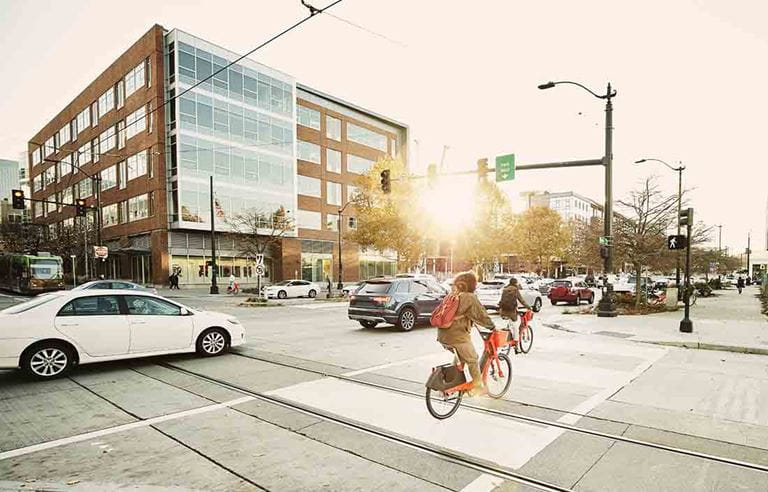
(330,285)
(170,280)
(231,287)
(175,277)
(740,284)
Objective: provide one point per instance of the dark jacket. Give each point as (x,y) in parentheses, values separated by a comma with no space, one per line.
(512,292)
(470,311)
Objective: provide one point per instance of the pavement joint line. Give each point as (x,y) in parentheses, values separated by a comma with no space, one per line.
(448,455)
(387,366)
(120,428)
(483,483)
(561,425)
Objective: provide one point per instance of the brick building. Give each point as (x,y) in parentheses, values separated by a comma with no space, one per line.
(268,142)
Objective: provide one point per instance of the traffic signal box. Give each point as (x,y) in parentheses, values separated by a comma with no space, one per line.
(17,199)
(386,184)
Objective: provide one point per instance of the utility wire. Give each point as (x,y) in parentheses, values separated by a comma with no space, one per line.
(369,31)
(313,11)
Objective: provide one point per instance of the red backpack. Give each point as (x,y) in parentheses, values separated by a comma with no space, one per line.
(445,314)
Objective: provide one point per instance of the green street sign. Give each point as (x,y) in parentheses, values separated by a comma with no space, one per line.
(604,240)
(505,167)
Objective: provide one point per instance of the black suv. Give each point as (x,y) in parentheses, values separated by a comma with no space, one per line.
(401,301)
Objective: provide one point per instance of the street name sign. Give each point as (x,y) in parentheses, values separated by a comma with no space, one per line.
(100,252)
(677,242)
(505,167)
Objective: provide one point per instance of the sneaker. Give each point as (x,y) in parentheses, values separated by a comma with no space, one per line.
(478,391)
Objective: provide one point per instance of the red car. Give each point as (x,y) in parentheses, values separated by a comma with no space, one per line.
(572,292)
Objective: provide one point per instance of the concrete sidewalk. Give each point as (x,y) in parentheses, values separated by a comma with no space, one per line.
(730,322)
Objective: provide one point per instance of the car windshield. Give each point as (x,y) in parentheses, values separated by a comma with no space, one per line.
(375,288)
(27,305)
(45,269)
(561,283)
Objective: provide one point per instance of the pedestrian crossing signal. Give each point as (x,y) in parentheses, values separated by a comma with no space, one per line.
(677,242)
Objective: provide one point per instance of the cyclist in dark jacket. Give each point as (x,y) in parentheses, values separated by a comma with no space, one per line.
(740,284)
(510,296)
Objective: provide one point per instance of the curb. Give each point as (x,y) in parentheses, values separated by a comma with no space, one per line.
(710,346)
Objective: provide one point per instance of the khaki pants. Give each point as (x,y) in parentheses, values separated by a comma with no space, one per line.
(468,355)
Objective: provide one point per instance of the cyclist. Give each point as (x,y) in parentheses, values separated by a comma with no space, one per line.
(510,296)
(457,335)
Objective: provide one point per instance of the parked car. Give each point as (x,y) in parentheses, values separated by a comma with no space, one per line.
(114,284)
(352,288)
(48,335)
(627,285)
(544,285)
(292,288)
(570,291)
(401,301)
(489,293)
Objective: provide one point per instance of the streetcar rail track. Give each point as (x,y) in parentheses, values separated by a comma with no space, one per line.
(445,454)
(534,420)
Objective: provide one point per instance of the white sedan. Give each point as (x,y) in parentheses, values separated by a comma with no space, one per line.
(292,288)
(47,335)
(489,293)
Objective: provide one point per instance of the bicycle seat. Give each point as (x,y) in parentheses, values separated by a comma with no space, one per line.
(485,333)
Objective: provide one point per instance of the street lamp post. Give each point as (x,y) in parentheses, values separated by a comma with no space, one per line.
(606,307)
(74,273)
(340,284)
(679,170)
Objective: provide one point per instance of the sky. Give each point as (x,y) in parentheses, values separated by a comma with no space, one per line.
(690,75)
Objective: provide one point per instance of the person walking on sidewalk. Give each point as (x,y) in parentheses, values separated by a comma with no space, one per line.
(740,284)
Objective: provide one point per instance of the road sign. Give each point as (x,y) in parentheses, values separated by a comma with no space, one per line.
(605,240)
(260,270)
(101,252)
(505,167)
(677,242)
(259,259)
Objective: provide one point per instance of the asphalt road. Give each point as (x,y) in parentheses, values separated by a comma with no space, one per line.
(232,423)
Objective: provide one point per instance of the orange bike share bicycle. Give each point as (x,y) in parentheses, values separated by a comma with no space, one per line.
(447,383)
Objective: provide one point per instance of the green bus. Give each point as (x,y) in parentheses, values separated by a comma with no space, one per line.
(29,274)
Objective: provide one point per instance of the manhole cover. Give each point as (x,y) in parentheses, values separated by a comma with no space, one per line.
(614,334)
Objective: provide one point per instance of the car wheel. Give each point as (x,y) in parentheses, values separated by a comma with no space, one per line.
(591,299)
(212,342)
(578,299)
(537,305)
(367,323)
(407,319)
(312,293)
(48,360)
(282,294)
(554,303)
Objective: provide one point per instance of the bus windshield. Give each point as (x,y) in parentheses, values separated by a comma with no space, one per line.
(44,268)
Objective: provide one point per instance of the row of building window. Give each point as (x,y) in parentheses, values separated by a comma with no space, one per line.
(114,136)
(309,186)
(310,152)
(135,208)
(311,118)
(113,98)
(307,219)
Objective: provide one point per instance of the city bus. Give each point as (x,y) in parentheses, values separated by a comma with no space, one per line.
(30,274)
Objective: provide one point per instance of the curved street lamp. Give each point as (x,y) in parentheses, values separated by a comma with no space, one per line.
(606,306)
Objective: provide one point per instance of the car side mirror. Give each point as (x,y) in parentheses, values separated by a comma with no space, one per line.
(185,312)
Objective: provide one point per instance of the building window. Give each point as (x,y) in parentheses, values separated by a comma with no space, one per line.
(333,160)
(352,222)
(121,134)
(66,196)
(37,156)
(64,135)
(108,178)
(134,79)
(83,120)
(120,90)
(308,117)
(333,193)
(366,137)
(95,113)
(332,222)
(138,207)
(86,188)
(137,165)
(109,215)
(122,175)
(308,186)
(65,166)
(107,139)
(50,146)
(333,128)
(309,152)
(50,176)
(136,122)
(358,165)
(106,102)
(308,220)
(352,192)
(37,183)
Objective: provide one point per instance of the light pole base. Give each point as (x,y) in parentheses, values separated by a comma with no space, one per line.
(214,289)
(606,308)
(686,326)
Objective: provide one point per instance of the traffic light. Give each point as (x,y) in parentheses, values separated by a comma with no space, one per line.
(80,208)
(386,186)
(432,174)
(604,253)
(686,217)
(482,168)
(17,197)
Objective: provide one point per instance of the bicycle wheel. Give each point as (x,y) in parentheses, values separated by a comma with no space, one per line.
(497,384)
(526,339)
(441,405)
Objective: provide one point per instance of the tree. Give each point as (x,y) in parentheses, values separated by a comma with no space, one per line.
(640,234)
(258,230)
(387,221)
(540,235)
(583,249)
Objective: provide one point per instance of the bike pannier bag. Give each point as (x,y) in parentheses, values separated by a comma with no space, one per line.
(445,377)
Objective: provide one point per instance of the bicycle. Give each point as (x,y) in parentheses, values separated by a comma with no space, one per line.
(525,333)
(495,367)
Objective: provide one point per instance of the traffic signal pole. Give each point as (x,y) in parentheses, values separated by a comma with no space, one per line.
(686,325)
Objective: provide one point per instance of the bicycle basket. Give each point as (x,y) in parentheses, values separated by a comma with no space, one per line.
(445,377)
(499,337)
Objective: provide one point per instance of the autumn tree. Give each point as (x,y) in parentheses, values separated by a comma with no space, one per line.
(540,236)
(583,249)
(258,230)
(641,230)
